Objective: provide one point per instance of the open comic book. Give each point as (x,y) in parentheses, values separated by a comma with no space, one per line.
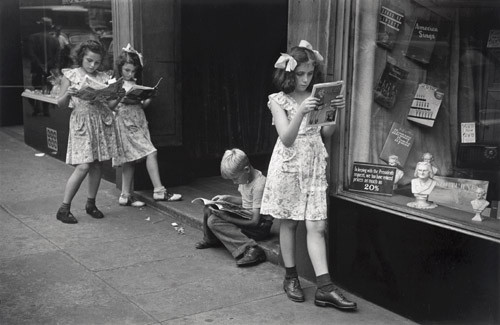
(92,89)
(326,113)
(235,209)
(138,92)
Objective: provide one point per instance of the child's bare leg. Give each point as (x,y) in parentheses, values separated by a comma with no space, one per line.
(95,174)
(74,182)
(128,170)
(153,171)
(316,246)
(326,293)
(288,229)
(160,193)
(291,283)
(72,185)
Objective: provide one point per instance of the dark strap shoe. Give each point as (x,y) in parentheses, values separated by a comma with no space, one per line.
(333,299)
(293,290)
(65,216)
(94,212)
(253,255)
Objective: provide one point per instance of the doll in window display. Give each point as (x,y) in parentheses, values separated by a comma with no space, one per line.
(422,186)
(479,204)
(428,157)
(393,160)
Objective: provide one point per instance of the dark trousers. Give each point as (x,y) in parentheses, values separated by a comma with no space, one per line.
(235,238)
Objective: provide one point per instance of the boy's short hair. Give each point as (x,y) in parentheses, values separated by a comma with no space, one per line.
(233,162)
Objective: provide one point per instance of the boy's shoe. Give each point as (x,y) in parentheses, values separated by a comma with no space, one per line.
(333,299)
(164,195)
(293,290)
(203,244)
(94,212)
(253,255)
(66,216)
(130,201)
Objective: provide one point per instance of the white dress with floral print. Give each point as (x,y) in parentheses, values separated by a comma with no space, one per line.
(296,180)
(134,140)
(92,134)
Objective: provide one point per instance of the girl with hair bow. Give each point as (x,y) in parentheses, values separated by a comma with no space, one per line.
(134,140)
(296,183)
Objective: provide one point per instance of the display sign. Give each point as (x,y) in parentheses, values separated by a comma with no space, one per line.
(468,132)
(372,178)
(493,39)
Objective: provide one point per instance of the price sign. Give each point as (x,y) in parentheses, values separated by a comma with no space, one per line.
(372,178)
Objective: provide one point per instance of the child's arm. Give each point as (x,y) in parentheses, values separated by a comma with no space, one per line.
(228,198)
(112,103)
(146,102)
(288,130)
(66,91)
(339,103)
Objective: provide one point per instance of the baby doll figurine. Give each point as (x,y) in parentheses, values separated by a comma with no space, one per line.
(428,157)
(393,160)
(422,186)
(479,204)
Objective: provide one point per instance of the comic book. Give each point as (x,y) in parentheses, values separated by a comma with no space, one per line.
(235,209)
(92,89)
(326,113)
(138,92)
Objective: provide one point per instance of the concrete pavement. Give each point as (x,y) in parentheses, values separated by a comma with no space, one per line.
(132,267)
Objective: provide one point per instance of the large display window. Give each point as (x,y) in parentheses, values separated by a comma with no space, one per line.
(422,130)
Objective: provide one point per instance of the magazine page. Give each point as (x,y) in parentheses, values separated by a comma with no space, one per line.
(326,113)
(139,92)
(92,89)
(225,206)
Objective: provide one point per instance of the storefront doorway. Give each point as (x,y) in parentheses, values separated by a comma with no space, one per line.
(228,53)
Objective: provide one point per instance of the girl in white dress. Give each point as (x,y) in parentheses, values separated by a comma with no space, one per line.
(134,140)
(92,137)
(296,181)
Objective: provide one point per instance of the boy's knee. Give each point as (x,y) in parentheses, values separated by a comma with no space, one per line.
(212,221)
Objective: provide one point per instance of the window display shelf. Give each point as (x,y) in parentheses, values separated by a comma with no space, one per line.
(441,216)
(38,96)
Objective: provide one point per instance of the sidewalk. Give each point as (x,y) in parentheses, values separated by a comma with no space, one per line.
(132,267)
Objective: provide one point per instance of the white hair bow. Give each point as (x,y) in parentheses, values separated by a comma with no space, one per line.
(286,61)
(307,45)
(130,49)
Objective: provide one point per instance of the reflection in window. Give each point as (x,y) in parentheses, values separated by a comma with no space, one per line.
(51,33)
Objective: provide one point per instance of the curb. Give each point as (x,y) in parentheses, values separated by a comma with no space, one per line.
(270,246)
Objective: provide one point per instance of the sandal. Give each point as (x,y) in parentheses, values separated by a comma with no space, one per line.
(164,195)
(94,212)
(65,216)
(205,244)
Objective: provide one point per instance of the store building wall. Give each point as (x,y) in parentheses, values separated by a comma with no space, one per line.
(11,78)
(421,271)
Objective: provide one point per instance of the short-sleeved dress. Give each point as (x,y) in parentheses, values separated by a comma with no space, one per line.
(296,179)
(92,134)
(134,140)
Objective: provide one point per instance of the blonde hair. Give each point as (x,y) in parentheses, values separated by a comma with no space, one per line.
(233,162)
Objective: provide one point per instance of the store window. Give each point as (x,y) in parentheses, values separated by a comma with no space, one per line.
(51,32)
(423,128)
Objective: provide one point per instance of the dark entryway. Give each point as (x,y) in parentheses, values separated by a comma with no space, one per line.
(228,52)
